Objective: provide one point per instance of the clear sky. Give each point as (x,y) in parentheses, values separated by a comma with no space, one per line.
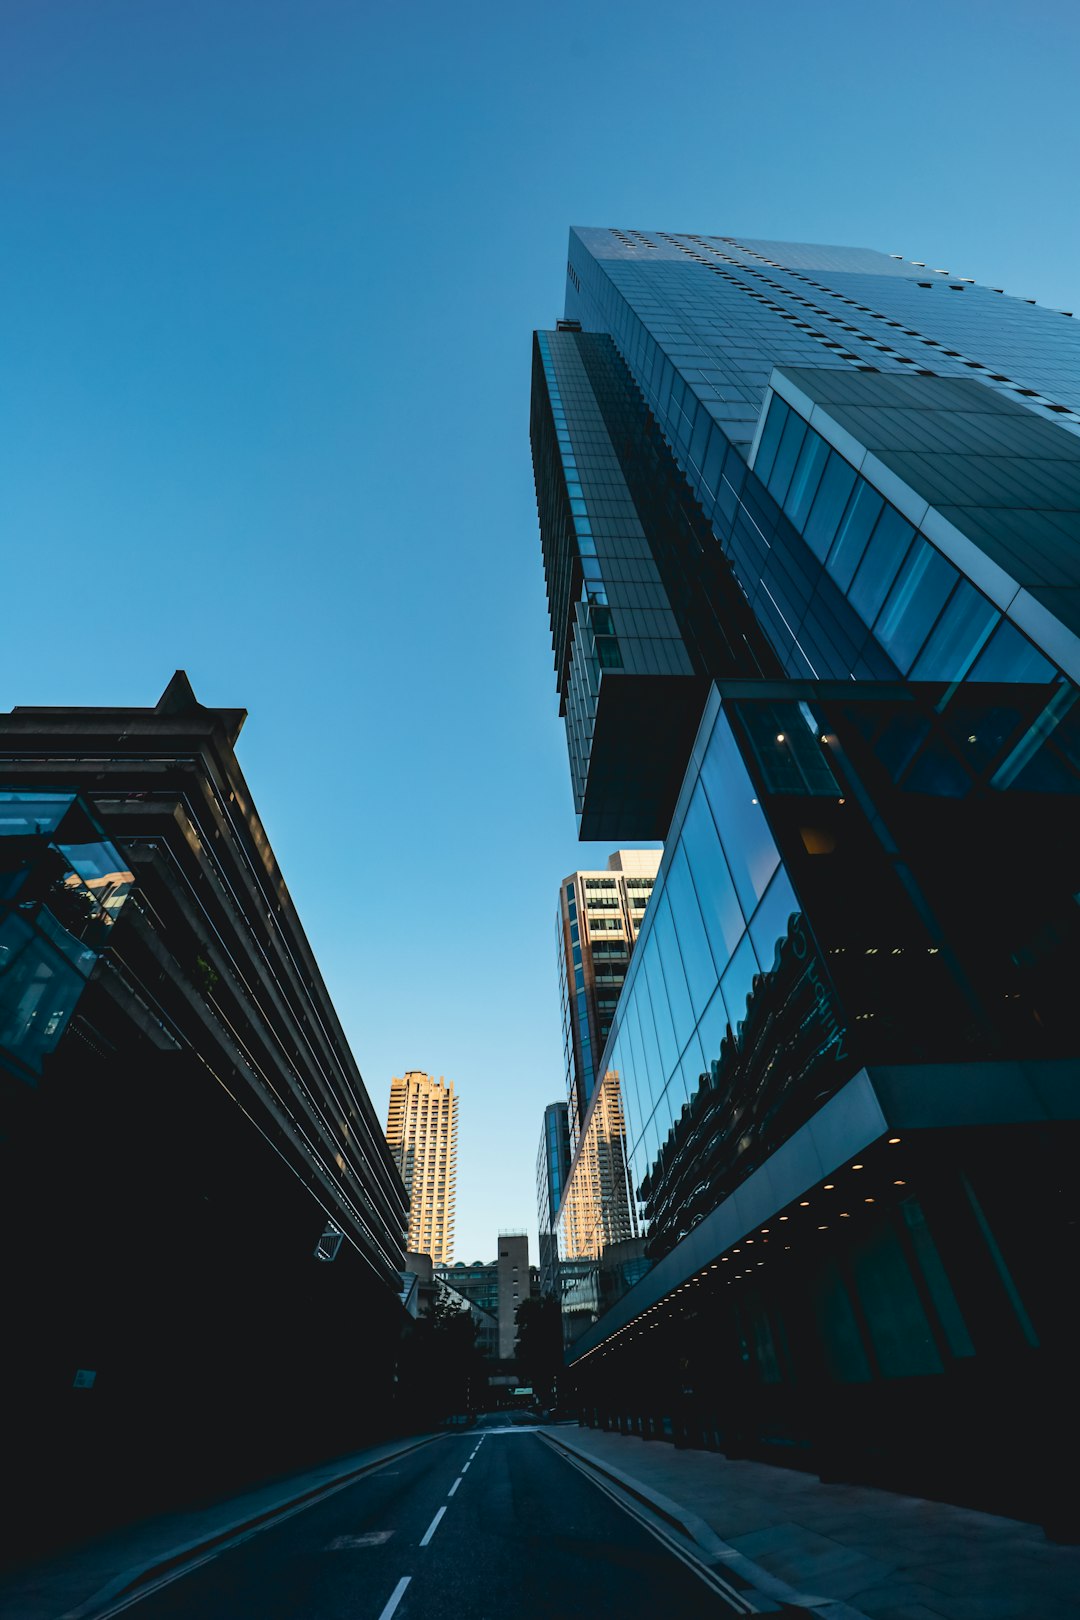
(270,269)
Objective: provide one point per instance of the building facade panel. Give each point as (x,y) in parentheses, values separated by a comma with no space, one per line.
(173,1072)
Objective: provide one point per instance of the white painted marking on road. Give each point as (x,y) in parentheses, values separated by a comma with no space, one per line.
(432,1527)
(465,1470)
(271,1522)
(371,1538)
(742,1603)
(395,1597)
(455,1485)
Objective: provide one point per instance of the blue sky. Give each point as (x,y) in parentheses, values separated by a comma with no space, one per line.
(270,271)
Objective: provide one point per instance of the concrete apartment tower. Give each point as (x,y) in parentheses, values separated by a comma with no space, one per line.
(514,1286)
(421,1129)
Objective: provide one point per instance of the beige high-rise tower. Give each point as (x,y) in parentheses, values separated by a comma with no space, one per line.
(421,1129)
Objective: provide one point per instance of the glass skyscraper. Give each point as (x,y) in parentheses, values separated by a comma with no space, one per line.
(552,1163)
(811,532)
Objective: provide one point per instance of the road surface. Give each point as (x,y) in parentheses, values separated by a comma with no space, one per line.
(491,1523)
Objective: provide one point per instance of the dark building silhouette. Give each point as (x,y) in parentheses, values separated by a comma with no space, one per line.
(810,520)
(202,1225)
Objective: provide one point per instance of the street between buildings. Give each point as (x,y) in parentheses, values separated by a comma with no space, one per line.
(493,1522)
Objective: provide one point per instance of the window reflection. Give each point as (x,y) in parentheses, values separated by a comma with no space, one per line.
(762,1079)
(958,637)
(751,853)
(596,1209)
(1010,656)
(862,512)
(920,593)
(834,491)
(61,889)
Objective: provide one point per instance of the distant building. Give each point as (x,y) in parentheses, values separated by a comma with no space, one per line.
(598,920)
(494,1290)
(479,1285)
(421,1129)
(514,1286)
(552,1167)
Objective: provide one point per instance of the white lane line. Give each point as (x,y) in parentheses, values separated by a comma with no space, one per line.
(432,1527)
(395,1597)
(271,1522)
(741,1602)
(465,1470)
(455,1485)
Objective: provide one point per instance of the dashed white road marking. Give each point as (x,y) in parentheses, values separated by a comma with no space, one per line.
(371,1538)
(432,1527)
(395,1597)
(455,1485)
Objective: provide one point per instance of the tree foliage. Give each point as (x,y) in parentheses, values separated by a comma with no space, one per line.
(540,1345)
(440,1371)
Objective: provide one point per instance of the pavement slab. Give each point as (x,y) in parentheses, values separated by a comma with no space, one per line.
(889,1556)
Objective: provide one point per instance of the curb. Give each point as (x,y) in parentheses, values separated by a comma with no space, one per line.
(128,1582)
(714,1550)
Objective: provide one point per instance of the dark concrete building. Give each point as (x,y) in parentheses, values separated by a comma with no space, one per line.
(810,519)
(202,1225)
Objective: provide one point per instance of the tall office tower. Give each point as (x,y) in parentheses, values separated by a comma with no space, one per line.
(515,1285)
(223,1226)
(421,1128)
(810,522)
(599,917)
(552,1165)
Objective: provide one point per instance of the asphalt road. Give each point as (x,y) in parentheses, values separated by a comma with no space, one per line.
(488,1524)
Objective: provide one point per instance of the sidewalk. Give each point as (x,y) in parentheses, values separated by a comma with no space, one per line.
(891,1557)
(84,1578)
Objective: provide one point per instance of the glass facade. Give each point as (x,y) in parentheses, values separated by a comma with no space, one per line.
(782,951)
(928,618)
(552,1165)
(616,641)
(701,323)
